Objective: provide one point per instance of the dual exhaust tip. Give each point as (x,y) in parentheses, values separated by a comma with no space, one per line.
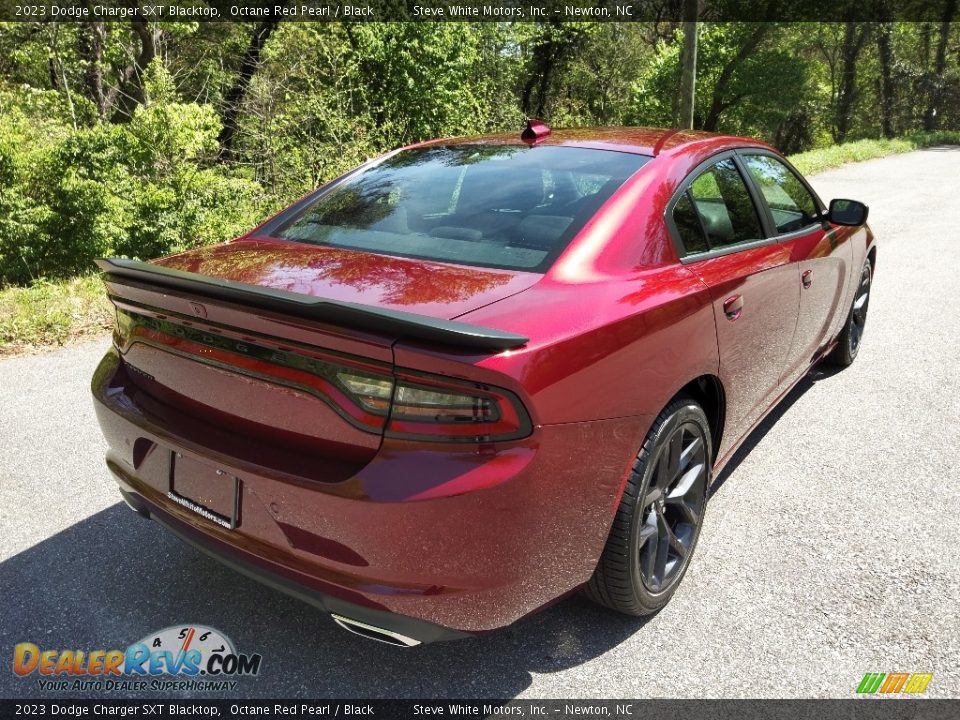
(371,632)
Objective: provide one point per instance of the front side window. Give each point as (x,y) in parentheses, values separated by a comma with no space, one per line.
(716,211)
(507,206)
(791,204)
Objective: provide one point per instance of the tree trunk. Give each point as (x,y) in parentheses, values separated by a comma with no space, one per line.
(887,99)
(688,77)
(233,100)
(130,91)
(90,41)
(853,39)
(930,118)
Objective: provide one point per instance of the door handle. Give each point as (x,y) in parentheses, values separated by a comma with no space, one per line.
(733,307)
(807,278)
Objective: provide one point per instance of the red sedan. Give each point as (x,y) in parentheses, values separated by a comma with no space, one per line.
(473,376)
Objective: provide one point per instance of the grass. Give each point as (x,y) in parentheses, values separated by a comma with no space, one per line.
(49,314)
(814,161)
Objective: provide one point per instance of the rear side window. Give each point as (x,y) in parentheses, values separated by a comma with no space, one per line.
(719,202)
(506,206)
(791,204)
(688,224)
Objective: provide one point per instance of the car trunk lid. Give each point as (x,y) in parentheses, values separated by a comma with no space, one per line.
(423,287)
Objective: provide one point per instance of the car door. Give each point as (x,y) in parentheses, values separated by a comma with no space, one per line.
(722,238)
(820,257)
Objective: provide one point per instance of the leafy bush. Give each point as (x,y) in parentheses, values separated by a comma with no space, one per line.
(141,189)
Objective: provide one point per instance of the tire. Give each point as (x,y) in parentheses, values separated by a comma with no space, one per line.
(635,575)
(849,340)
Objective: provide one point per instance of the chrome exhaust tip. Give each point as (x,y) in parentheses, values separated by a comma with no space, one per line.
(372,632)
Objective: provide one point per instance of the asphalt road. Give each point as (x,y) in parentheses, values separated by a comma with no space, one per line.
(829,549)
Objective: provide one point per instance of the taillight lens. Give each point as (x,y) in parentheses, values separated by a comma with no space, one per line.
(370,392)
(432,408)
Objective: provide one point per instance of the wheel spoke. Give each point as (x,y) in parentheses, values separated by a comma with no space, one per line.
(653,494)
(677,544)
(861,301)
(650,548)
(690,451)
(663,549)
(676,447)
(647,530)
(690,515)
(686,483)
(661,476)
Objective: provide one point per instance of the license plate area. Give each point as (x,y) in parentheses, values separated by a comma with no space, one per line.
(208,491)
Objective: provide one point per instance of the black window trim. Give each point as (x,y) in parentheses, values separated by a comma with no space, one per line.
(766,221)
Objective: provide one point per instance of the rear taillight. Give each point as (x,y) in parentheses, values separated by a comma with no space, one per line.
(404,405)
(427,407)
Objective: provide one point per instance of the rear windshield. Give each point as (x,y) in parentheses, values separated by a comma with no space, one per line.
(503,206)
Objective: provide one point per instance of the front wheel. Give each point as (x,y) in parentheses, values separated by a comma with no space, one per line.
(658,520)
(848,343)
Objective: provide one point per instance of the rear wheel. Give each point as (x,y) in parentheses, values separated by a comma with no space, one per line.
(848,343)
(659,517)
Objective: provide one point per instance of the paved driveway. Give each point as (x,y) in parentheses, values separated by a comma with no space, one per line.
(829,550)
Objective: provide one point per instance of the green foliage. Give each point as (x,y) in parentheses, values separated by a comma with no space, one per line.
(143,189)
(79,179)
(742,88)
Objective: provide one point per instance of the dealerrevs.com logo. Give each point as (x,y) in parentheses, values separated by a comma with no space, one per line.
(180,657)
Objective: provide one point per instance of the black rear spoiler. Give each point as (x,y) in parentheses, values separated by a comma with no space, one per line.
(346,314)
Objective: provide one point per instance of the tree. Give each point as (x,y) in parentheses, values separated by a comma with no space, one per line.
(886,86)
(854,37)
(724,96)
(930,118)
(233,100)
(688,76)
(552,46)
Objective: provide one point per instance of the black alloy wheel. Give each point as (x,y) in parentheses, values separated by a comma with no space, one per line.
(658,521)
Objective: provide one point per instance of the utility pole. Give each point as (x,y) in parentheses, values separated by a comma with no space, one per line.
(688,78)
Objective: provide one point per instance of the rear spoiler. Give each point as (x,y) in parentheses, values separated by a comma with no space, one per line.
(347,314)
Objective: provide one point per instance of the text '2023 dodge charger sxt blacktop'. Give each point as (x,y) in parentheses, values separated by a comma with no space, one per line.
(473,376)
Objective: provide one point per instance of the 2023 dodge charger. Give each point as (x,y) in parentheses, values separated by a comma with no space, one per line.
(475,375)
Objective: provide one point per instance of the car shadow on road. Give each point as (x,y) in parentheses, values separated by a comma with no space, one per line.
(816,374)
(113,578)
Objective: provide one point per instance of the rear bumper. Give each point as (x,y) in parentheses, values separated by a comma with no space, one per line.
(423,540)
(400,626)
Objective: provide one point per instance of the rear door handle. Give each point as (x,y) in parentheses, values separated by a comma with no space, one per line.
(807,278)
(733,307)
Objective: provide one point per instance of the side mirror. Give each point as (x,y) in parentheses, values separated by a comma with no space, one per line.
(847,212)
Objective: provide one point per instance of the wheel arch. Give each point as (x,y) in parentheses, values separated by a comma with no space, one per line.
(708,391)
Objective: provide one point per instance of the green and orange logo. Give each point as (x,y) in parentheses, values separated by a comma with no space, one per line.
(891,683)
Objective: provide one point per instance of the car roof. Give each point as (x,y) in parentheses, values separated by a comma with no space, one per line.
(639,140)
